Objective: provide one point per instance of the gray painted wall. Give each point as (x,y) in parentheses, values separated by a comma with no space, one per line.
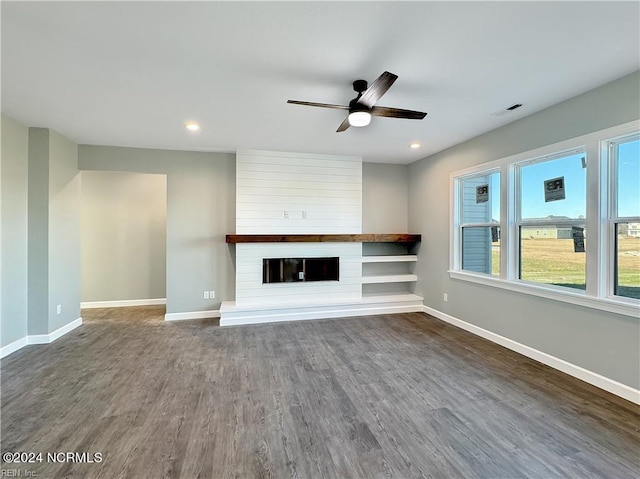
(14,159)
(64,231)
(38,231)
(124,223)
(602,342)
(385,190)
(200,212)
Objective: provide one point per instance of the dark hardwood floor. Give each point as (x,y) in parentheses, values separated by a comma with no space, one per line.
(392,396)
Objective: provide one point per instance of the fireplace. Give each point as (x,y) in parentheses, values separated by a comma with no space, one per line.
(289,270)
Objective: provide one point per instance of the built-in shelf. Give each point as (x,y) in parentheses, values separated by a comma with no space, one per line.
(336,238)
(387,271)
(403,258)
(390,278)
(390,297)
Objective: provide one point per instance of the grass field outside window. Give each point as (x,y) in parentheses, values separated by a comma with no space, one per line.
(628,266)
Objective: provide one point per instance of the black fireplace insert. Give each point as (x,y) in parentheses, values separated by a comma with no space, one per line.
(289,270)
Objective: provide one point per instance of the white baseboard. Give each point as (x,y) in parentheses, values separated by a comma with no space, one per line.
(122,303)
(39,338)
(571,369)
(64,330)
(13,346)
(192,315)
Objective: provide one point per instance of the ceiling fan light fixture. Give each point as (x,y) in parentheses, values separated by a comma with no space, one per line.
(359,118)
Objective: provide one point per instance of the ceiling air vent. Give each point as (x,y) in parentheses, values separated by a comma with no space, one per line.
(506,110)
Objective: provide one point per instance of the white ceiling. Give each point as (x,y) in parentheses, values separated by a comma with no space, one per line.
(131,73)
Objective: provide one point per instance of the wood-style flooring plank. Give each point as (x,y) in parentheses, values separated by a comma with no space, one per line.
(389,396)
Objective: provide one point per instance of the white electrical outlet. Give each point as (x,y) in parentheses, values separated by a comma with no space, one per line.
(286,214)
(206,295)
(445,297)
(59,309)
(212,295)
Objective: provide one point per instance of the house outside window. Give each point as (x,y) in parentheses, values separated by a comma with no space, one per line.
(480,223)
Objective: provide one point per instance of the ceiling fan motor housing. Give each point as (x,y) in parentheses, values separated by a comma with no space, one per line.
(355,106)
(360,85)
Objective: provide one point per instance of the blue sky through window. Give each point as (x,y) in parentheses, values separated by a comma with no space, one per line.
(629,178)
(532,189)
(570,167)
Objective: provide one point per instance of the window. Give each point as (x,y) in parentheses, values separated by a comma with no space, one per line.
(624,218)
(560,222)
(551,220)
(480,223)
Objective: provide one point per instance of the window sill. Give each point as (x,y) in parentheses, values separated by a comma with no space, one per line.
(573,297)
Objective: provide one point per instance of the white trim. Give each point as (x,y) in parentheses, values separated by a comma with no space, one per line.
(578,372)
(58,333)
(192,315)
(122,303)
(233,315)
(277,316)
(64,330)
(13,347)
(550,292)
(39,338)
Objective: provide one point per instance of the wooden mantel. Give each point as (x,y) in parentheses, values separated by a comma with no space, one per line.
(345,238)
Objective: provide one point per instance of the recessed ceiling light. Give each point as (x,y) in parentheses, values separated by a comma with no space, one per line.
(414,146)
(192,126)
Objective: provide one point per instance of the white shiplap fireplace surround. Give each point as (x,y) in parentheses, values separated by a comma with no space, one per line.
(280,193)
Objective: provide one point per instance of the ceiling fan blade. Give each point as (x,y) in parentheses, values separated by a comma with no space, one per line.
(322,105)
(344,125)
(397,113)
(378,88)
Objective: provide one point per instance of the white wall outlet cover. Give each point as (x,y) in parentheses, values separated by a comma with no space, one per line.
(212,294)
(59,309)
(206,295)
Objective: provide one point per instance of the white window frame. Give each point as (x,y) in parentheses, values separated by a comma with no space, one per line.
(599,246)
(609,180)
(460,225)
(519,222)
